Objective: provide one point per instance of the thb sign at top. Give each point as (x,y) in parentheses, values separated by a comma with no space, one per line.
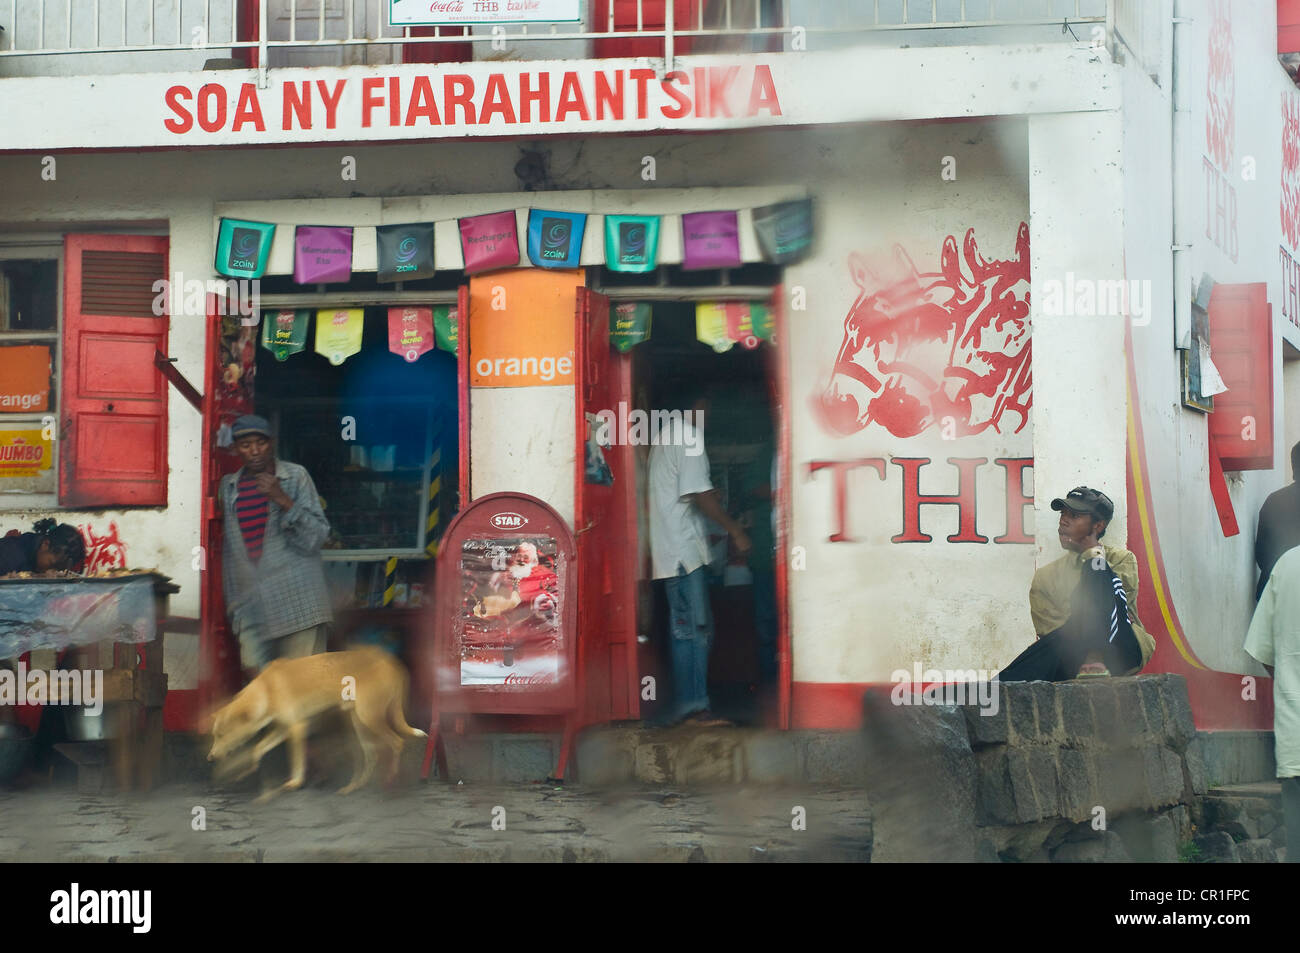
(456,12)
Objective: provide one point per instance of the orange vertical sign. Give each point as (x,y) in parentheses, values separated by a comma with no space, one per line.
(521,327)
(24,379)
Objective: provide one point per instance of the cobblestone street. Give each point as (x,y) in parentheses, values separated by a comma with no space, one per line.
(436,823)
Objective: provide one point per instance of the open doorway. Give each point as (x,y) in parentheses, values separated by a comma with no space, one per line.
(740,442)
(377,433)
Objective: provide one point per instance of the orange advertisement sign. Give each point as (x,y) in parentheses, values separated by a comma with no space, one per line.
(24,379)
(24,454)
(521,327)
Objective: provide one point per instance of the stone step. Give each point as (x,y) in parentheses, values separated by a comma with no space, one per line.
(1271,790)
(1251,815)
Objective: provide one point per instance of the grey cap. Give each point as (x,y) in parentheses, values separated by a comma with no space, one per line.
(250,424)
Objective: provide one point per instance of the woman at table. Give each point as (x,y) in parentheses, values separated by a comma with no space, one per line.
(49,545)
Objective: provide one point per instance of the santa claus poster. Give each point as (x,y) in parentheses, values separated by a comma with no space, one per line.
(510,612)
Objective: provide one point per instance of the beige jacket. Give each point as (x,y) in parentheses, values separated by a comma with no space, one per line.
(1054,584)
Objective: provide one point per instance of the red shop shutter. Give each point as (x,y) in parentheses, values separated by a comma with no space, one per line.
(686,16)
(1241,346)
(1288,26)
(114,401)
(437,52)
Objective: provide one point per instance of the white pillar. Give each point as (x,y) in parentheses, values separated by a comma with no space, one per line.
(1076,234)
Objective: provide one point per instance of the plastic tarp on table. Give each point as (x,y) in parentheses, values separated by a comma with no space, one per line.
(57,612)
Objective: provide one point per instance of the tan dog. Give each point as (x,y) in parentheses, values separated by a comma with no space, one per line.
(290,692)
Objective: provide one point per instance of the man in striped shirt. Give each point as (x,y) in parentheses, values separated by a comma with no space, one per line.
(274,528)
(1084,604)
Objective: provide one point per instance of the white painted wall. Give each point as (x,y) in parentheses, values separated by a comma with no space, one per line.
(862,609)
(1211,578)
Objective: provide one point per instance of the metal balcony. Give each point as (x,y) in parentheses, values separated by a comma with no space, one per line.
(81,37)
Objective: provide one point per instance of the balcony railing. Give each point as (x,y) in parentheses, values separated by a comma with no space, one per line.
(49,37)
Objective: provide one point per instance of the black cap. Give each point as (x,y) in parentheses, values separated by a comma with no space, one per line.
(250,424)
(1084,499)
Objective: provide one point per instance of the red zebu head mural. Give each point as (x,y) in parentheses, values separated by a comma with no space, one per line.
(919,348)
(1290,202)
(1220,87)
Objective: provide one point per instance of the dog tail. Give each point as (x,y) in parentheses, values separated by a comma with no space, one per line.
(397,718)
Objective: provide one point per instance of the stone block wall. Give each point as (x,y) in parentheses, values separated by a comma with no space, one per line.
(1094,769)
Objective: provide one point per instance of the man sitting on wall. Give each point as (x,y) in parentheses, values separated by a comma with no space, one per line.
(274,528)
(1084,605)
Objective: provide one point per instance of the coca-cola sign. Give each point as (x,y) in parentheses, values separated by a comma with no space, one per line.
(452,12)
(540,678)
(508,520)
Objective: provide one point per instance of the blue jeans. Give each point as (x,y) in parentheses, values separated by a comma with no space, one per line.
(690,623)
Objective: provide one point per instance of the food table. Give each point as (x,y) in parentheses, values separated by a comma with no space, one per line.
(112,622)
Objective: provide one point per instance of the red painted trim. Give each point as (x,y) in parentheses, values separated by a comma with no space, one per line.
(462,388)
(1215,696)
(785,471)
(1219,491)
(581,370)
(826,706)
(181,710)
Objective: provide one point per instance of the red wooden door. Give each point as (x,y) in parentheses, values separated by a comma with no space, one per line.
(463,496)
(218,650)
(605,527)
(778,387)
(653,16)
(113,444)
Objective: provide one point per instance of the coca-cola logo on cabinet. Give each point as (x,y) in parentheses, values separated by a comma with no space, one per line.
(541,678)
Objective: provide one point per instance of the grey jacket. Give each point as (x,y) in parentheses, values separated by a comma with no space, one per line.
(284,592)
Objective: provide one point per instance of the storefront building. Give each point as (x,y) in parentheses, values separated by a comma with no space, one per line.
(965,197)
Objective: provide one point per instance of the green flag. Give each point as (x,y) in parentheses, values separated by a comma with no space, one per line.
(629,325)
(446,328)
(285,332)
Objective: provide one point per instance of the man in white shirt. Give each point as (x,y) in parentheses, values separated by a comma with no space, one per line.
(681,498)
(1274,641)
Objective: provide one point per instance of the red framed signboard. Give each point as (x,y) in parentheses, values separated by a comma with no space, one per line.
(505,631)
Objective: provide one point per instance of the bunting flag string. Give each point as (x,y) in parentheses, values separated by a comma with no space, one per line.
(338,333)
(723,324)
(243,248)
(555,238)
(783,232)
(489,242)
(404,252)
(410,332)
(285,332)
(322,254)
